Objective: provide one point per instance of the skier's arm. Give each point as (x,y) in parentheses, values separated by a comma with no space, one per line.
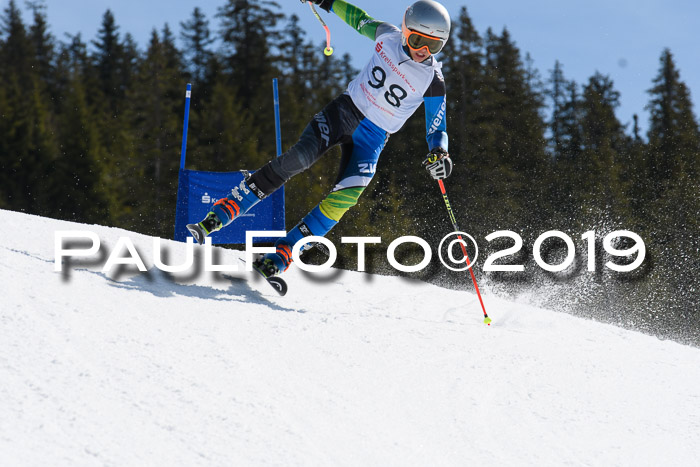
(435,113)
(357,18)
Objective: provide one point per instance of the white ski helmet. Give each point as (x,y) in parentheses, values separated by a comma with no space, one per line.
(426,24)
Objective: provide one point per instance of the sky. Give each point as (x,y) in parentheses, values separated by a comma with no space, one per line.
(620,38)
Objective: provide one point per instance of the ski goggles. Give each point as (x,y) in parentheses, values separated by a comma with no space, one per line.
(417,41)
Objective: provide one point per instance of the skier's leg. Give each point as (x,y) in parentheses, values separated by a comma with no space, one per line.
(335,123)
(360,155)
(337,119)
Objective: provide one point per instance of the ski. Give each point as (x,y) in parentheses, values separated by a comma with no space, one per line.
(276,282)
(197,232)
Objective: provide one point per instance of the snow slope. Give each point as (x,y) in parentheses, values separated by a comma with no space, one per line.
(353,370)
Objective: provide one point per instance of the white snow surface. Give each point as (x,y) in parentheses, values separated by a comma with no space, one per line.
(355,370)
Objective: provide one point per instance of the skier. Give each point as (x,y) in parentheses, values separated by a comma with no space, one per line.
(402,74)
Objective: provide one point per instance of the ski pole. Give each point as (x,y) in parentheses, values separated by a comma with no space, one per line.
(328,51)
(453,219)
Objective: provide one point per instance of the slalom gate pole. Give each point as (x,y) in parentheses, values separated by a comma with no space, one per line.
(328,51)
(278,132)
(453,219)
(280,215)
(183,151)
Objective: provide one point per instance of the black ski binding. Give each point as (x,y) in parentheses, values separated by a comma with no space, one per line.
(276,282)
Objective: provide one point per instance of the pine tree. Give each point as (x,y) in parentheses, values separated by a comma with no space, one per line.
(674,138)
(293,47)
(248,32)
(42,44)
(111,77)
(519,103)
(299,63)
(29,145)
(5,124)
(671,209)
(557,95)
(74,55)
(82,196)
(604,143)
(565,190)
(228,138)
(638,187)
(463,70)
(249,35)
(564,127)
(204,68)
(155,103)
(109,62)
(197,40)
(516,177)
(673,153)
(129,62)
(571,118)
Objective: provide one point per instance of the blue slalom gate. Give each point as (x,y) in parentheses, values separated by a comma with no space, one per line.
(199,190)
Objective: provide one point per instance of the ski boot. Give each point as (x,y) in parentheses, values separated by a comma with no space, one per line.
(242,198)
(267,268)
(200,230)
(274,264)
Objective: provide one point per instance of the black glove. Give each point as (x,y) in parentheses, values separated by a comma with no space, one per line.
(325,4)
(438,164)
